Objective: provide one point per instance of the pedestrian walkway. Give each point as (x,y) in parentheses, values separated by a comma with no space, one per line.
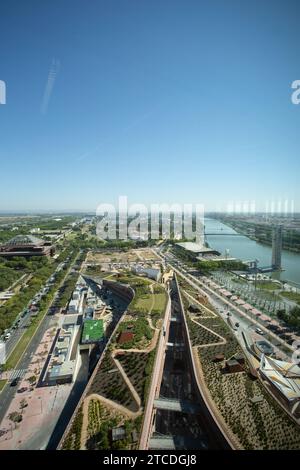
(16,373)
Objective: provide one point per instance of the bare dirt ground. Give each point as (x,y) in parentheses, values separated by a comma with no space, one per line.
(141,254)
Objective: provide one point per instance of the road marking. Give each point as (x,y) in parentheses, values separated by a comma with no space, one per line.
(16,374)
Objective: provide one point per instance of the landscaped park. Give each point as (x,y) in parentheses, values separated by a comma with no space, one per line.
(244,407)
(117,392)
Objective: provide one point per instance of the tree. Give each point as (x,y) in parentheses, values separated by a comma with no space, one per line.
(15,417)
(23,404)
(32,380)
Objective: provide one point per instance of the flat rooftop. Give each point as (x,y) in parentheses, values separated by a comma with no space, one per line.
(195,247)
(264,347)
(93,331)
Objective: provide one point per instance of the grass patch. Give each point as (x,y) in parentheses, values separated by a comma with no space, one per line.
(160,302)
(2,384)
(141,331)
(291,296)
(238,280)
(268,285)
(142,302)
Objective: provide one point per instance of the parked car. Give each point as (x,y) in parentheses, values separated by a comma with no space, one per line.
(15,382)
(259,331)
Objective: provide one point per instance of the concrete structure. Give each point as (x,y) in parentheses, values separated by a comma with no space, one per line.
(118,434)
(75,304)
(232,366)
(284,377)
(172,404)
(151,273)
(64,358)
(26,245)
(196,249)
(262,347)
(276,246)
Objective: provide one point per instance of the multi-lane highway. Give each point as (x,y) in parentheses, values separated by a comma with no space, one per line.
(223,306)
(9,391)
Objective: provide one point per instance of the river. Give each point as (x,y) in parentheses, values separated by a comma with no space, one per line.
(244,248)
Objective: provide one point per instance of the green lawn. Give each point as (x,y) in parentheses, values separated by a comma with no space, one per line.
(2,384)
(142,302)
(291,296)
(268,285)
(238,280)
(160,301)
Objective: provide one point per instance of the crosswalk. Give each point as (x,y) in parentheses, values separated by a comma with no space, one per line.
(16,373)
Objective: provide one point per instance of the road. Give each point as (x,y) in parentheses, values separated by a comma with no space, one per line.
(24,322)
(222,303)
(48,321)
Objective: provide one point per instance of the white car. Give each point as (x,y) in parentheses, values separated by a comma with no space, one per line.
(259,331)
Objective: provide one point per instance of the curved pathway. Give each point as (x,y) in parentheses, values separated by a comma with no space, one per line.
(137,399)
(212,315)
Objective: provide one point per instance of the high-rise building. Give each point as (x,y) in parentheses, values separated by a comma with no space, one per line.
(276,246)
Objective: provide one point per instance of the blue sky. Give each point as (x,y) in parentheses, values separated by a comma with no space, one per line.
(161,100)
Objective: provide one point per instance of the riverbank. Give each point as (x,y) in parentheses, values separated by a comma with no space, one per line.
(249,229)
(246,249)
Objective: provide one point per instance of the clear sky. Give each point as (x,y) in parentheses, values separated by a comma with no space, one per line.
(159,100)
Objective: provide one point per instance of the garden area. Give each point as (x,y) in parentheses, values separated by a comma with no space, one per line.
(294,296)
(200,336)
(72,440)
(142,334)
(101,421)
(109,383)
(138,368)
(261,425)
(160,300)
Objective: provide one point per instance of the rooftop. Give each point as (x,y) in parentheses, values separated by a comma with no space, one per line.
(195,247)
(264,347)
(24,240)
(92,331)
